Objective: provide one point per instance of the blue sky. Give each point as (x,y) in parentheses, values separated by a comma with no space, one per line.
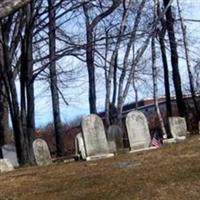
(76,95)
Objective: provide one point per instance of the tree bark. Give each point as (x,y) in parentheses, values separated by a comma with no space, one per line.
(9,6)
(28,106)
(174,60)
(3,117)
(53,80)
(155,85)
(165,64)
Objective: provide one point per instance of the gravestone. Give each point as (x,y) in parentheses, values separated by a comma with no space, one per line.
(9,152)
(138,131)
(79,147)
(5,165)
(41,152)
(115,138)
(178,127)
(94,137)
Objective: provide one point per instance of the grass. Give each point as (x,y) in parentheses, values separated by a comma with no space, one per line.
(171,172)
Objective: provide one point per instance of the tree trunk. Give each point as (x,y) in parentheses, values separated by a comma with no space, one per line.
(11,95)
(174,60)
(166,75)
(9,6)
(155,77)
(91,68)
(24,149)
(165,63)
(53,80)
(155,88)
(29,85)
(191,81)
(3,124)
(115,81)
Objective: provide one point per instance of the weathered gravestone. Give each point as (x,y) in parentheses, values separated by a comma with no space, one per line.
(5,165)
(115,138)
(94,137)
(9,152)
(178,127)
(41,152)
(79,147)
(138,131)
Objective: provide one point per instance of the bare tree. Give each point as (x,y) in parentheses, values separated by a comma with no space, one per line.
(90,26)
(174,59)
(161,36)
(155,76)
(190,75)
(53,79)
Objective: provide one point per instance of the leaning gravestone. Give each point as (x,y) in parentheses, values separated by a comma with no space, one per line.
(115,138)
(94,137)
(5,165)
(138,131)
(41,152)
(178,127)
(79,147)
(9,152)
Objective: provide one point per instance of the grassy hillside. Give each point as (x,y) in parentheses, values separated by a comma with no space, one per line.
(171,172)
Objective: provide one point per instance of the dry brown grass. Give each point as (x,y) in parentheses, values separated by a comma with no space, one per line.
(169,173)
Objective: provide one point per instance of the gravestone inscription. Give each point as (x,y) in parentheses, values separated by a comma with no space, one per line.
(94,137)
(41,152)
(178,127)
(138,130)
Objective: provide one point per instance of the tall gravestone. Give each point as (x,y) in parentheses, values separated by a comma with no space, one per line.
(115,138)
(79,147)
(94,137)
(138,131)
(41,152)
(178,127)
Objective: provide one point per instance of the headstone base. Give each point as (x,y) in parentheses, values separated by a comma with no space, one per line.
(180,138)
(169,141)
(174,140)
(98,157)
(144,149)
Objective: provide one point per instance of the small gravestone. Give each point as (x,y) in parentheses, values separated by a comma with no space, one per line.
(178,127)
(138,131)
(9,152)
(41,152)
(94,137)
(79,147)
(5,165)
(115,138)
